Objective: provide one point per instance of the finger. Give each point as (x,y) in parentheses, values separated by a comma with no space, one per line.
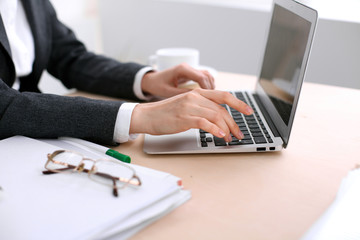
(222,97)
(219,116)
(206,125)
(187,72)
(230,124)
(210,78)
(215,117)
(234,128)
(215,113)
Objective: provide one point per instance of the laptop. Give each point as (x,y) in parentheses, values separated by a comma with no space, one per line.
(274,99)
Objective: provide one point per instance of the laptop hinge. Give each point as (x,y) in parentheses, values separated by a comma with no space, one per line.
(266,115)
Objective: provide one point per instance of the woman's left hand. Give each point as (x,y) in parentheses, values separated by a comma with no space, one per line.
(165,83)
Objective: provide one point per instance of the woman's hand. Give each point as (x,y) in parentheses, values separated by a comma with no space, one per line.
(165,83)
(198,108)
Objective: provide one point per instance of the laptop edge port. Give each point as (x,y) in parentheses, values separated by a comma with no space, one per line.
(261,149)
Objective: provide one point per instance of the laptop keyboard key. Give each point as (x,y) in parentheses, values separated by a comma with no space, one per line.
(255,130)
(245,141)
(219,141)
(258,134)
(242,142)
(243,128)
(259,140)
(253,126)
(246,137)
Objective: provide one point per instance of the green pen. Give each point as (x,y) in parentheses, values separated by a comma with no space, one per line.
(108,151)
(117,155)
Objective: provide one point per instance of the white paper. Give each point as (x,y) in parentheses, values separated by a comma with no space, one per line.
(156,211)
(68,206)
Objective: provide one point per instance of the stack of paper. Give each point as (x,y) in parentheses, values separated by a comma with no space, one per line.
(342,219)
(61,206)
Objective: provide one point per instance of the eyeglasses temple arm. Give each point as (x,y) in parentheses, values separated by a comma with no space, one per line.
(47,172)
(115,191)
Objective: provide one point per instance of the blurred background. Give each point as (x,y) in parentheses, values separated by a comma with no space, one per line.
(230,34)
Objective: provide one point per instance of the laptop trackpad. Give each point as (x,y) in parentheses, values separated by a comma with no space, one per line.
(174,143)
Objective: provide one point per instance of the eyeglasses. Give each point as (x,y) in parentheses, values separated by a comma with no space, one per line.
(104,171)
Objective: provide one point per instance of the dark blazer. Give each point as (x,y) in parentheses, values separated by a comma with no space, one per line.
(29,113)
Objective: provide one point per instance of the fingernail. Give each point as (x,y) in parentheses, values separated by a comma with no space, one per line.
(222,134)
(241,135)
(228,138)
(249,110)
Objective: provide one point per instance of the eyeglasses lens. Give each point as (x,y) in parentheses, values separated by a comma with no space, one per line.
(64,162)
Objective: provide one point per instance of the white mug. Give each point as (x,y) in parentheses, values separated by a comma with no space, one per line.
(168,57)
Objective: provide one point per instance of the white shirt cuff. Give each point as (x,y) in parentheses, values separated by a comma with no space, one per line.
(137,83)
(122,123)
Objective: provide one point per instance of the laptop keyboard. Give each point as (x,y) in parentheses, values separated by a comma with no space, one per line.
(251,126)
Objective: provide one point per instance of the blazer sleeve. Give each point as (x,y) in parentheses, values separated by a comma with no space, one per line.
(49,116)
(78,68)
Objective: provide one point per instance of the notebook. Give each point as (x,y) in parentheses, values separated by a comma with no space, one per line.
(274,99)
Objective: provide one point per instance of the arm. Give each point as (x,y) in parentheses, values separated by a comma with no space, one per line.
(70,62)
(50,116)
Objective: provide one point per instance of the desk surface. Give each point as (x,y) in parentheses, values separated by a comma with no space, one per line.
(263,195)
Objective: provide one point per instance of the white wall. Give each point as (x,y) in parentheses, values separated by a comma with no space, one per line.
(229,33)
(230,38)
(335,57)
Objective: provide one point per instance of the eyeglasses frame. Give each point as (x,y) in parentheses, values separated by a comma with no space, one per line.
(134,180)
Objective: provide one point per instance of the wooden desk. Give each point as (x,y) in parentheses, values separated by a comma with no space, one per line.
(263,195)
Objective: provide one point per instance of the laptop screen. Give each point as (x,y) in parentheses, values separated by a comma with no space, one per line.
(285,50)
(286,55)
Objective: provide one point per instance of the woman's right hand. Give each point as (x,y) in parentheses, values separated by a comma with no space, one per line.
(198,109)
